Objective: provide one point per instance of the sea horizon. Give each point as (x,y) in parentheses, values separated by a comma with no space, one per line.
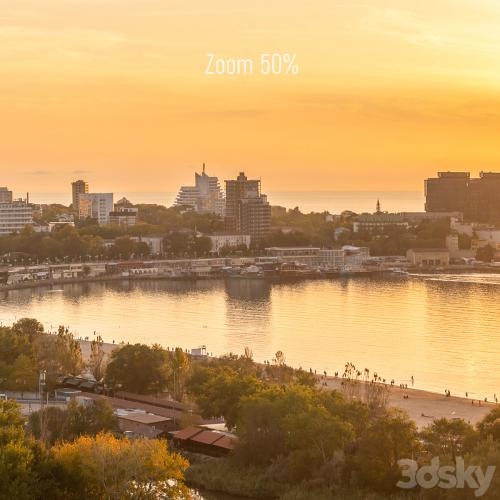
(307,201)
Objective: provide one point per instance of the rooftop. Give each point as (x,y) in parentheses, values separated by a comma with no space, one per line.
(143,418)
(427,250)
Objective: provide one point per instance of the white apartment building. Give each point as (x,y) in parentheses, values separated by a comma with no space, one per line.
(15,216)
(219,241)
(204,197)
(96,206)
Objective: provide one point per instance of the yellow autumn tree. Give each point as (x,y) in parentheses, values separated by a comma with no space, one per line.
(110,468)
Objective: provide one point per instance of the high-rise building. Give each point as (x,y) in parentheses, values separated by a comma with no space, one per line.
(78,187)
(247,210)
(95,206)
(484,197)
(204,197)
(14,216)
(449,192)
(477,198)
(5,195)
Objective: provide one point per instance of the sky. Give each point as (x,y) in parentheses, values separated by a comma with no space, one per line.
(115,92)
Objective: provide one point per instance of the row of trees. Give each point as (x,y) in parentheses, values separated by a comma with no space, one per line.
(69,243)
(83,465)
(26,349)
(322,443)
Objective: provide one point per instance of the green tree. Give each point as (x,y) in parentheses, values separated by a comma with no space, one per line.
(448,438)
(74,421)
(490,425)
(138,368)
(220,395)
(386,440)
(20,457)
(59,354)
(28,327)
(24,375)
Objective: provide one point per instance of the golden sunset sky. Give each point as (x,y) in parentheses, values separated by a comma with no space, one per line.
(114,91)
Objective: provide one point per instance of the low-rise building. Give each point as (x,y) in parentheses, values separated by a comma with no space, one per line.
(428,257)
(155,242)
(124,214)
(143,424)
(222,240)
(378,222)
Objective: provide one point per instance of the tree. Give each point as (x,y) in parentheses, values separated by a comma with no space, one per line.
(386,440)
(106,467)
(123,247)
(138,368)
(490,425)
(220,395)
(486,253)
(59,354)
(448,438)
(74,421)
(179,366)
(24,375)
(20,457)
(31,328)
(97,359)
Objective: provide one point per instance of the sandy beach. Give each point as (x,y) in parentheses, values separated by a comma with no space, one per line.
(422,406)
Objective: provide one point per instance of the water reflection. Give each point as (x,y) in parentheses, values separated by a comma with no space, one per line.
(443,330)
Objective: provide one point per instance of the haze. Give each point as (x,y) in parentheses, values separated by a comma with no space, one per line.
(114,91)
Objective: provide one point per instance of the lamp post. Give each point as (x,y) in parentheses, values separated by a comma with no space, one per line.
(41,387)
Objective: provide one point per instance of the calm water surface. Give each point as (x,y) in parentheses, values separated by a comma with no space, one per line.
(444,330)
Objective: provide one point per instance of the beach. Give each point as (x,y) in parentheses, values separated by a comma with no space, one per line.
(422,406)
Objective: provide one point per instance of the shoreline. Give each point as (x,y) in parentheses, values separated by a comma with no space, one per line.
(144,277)
(421,405)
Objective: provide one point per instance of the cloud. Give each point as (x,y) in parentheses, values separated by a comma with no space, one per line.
(81,171)
(449,34)
(40,172)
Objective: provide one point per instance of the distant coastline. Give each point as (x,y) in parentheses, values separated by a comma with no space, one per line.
(307,201)
(144,277)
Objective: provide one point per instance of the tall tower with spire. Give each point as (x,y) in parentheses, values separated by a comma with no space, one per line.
(378,210)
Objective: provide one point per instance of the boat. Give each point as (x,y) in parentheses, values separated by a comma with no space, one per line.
(250,272)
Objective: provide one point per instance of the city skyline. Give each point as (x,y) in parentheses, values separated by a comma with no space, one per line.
(388,92)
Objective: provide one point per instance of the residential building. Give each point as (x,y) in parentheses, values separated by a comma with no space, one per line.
(15,216)
(155,242)
(204,197)
(477,198)
(428,257)
(124,214)
(247,209)
(378,222)
(5,195)
(96,206)
(222,240)
(78,187)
